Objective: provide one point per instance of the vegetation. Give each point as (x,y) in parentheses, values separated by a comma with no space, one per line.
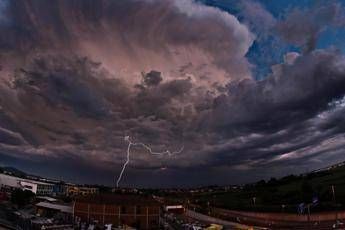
(282,195)
(21,198)
(14,172)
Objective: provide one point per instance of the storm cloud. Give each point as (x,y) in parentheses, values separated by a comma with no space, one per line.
(78,76)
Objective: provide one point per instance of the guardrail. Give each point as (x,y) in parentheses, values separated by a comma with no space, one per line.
(323,216)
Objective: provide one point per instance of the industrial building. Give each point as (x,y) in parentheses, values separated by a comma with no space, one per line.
(37,187)
(119,210)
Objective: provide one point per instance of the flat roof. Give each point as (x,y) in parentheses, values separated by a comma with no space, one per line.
(60,207)
(118,199)
(47,198)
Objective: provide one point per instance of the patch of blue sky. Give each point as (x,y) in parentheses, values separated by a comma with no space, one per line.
(332,37)
(270,50)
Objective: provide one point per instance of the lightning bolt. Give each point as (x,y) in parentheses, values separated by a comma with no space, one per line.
(130,144)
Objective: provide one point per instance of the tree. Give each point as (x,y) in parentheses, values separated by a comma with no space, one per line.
(306,191)
(261,183)
(272,182)
(21,198)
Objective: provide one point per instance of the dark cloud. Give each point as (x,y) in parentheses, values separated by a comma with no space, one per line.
(296,91)
(153,78)
(281,114)
(60,80)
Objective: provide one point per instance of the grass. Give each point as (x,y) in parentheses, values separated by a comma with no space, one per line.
(288,191)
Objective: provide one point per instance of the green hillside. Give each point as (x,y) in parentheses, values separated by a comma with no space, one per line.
(283,194)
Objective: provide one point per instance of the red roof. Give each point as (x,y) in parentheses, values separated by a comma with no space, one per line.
(118,199)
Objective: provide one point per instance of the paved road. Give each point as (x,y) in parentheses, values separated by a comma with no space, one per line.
(212,220)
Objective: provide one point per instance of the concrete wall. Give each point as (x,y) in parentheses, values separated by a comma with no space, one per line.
(147,217)
(323,216)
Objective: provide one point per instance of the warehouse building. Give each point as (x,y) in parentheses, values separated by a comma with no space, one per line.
(37,187)
(119,210)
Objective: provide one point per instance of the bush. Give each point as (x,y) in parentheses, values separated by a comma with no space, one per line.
(22,198)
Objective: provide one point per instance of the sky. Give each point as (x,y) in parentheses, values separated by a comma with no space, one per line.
(250,89)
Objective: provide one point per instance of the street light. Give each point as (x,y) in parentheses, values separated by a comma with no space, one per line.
(208,205)
(335,203)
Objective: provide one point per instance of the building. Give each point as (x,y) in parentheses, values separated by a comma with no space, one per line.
(81,191)
(37,187)
(50,209)
(119,210)
(44,188)
(59,189)
(177,209)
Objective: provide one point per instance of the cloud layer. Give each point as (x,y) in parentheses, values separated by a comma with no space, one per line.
(78,76)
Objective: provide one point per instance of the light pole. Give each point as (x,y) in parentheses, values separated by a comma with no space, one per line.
(309,224)
(335,203)
(254,202)
(209,209)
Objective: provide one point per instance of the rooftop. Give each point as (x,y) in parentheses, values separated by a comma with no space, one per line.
(59,207)
(47,198)
(118,199)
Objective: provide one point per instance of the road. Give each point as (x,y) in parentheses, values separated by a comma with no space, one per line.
(212,220)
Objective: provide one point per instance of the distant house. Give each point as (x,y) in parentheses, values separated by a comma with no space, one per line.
(119,210)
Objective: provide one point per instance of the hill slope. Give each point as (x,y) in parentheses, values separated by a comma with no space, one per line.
(284,194)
